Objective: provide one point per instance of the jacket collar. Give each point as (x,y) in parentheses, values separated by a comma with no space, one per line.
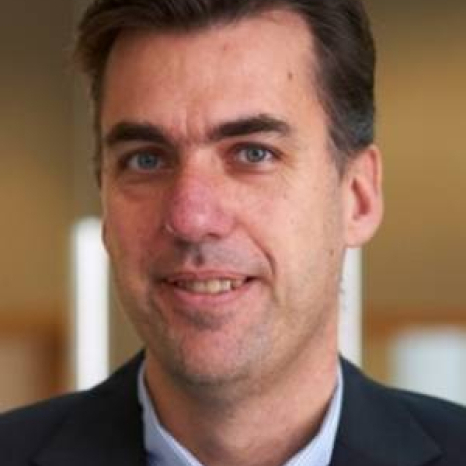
(376,428)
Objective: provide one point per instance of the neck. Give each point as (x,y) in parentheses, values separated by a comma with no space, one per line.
(222,428)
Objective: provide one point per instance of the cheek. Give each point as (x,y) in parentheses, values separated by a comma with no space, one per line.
(128,230)
(305,237)
(128,239)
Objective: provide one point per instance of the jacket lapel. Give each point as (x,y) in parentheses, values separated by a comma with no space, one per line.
(376,428)
(105,429)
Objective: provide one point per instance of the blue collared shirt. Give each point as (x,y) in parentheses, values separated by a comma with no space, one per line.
(164,450)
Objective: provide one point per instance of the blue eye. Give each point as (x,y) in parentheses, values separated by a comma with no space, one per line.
(144,161)
(255,154)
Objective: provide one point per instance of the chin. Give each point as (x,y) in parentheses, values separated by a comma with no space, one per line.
(208,362)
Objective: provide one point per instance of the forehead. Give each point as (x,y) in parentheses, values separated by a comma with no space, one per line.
(225,66)
(262,30)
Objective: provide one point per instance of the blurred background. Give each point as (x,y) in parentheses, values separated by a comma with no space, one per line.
(414,272)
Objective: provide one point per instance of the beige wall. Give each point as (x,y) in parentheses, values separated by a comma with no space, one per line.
(36,155)
(36,197)
(418,260)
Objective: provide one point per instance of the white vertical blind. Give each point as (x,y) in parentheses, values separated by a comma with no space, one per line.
(90,304)
(350,333)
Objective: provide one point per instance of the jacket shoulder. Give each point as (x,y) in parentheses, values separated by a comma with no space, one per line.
(26,429)
(71,428)
(442,420)
(436,415)
(393,426)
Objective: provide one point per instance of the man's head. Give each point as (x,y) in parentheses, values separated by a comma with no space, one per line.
(225,215)
(344,74)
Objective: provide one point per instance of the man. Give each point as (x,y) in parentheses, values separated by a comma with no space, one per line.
(236,164)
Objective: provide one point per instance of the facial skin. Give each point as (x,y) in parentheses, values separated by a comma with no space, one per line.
(217,173)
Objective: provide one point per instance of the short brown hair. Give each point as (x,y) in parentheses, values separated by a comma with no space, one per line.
(340,28)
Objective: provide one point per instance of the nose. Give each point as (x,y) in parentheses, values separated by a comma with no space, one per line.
(197,206)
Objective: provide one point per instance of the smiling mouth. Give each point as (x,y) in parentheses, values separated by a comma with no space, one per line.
(209,287)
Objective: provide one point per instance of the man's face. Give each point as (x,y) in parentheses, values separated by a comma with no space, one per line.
(223,210)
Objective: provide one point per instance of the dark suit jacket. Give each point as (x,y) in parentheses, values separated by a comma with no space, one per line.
(102,427)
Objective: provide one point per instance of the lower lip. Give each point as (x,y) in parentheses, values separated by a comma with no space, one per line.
(204,300)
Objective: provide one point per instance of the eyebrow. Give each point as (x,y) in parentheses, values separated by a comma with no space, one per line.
(127,131)
(261,123)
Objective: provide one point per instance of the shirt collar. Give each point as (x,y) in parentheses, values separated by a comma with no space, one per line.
(164,450)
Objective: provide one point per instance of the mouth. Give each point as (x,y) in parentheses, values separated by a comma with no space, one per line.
(211,286)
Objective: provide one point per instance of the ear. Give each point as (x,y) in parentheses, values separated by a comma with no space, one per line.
(363,201)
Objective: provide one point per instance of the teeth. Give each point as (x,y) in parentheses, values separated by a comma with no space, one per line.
(225,285)
(214,286)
